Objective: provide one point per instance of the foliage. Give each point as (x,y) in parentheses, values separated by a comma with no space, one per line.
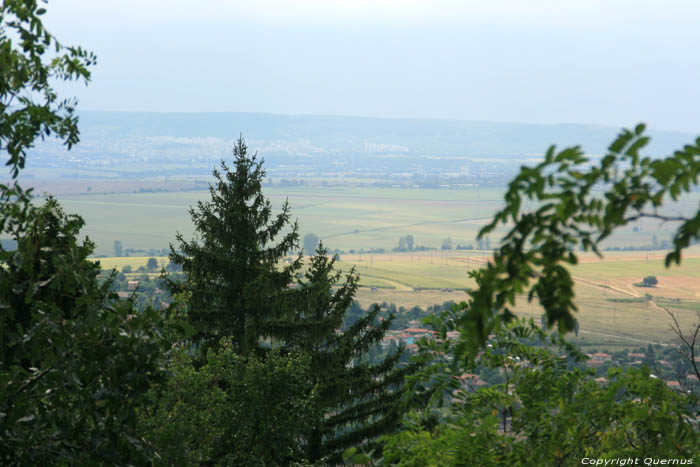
(75,362)
(152,264)
(30,58)
(405,243)
(548,411)
(239,289)
(233,279)
(357,400)
(650,281)
(580,203)
(309,243)
(233,410)
(688,348)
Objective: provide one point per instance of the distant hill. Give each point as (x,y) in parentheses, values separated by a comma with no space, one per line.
(360,134)
(185,146)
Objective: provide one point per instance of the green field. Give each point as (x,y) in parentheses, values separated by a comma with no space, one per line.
(343,217)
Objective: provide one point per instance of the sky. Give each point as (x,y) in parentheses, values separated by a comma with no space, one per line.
(612,62)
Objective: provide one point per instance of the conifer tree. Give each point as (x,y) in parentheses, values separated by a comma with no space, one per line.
(239,289)
(233,270)
(358,400)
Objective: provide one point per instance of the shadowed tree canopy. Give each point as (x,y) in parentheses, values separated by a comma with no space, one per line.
(358,400)
(75,362)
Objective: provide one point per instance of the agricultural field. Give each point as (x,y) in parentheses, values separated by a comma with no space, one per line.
(612,310)
(343,217)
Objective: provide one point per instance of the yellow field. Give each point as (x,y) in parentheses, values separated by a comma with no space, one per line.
(612,311)
(440,269)
(427,269)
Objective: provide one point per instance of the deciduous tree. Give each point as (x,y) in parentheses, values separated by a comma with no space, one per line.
(118,248)
(580,203)
(233,410)
(152,264)
(75,362)
(310,243)
(650,281)
(409,242)
(549,411)
(31,59)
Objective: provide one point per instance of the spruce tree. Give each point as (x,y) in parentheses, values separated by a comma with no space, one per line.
(358,400)
(238,286)
(234,274)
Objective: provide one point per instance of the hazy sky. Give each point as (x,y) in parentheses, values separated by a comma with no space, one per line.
(589,61)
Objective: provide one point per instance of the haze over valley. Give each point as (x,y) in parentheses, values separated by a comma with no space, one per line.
(184,147)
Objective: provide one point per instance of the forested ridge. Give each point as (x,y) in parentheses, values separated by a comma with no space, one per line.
(256,361)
